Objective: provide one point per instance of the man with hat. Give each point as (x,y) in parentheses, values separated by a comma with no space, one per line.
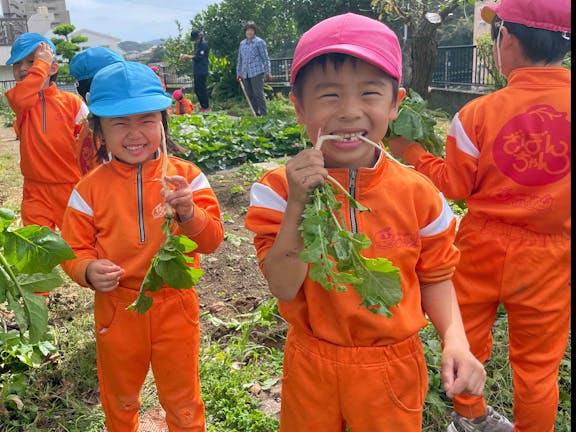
(200,69)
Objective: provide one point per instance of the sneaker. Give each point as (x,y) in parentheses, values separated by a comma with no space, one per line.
(204,110)
(489,422)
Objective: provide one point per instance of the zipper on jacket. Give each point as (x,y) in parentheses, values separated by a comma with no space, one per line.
(140,205)
(43,99)
(352,189)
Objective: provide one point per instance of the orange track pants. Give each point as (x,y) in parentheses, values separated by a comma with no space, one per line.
(44,203)
(166,337)
(529,273)
(372,389)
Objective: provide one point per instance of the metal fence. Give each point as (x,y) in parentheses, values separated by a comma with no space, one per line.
(456,67)
(460,67)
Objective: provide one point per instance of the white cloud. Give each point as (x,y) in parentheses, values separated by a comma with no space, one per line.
(135,20)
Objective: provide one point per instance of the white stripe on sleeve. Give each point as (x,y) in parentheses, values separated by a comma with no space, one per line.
(82,113)
(264,196)
(441,223)
(200,182)
(462,141)
(77,202)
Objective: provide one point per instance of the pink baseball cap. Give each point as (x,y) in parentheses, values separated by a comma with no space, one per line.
(553,15)
(355,35)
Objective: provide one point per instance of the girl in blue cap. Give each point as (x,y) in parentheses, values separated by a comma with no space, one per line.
(113,223)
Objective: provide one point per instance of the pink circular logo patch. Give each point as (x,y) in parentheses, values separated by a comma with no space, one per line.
(533,148)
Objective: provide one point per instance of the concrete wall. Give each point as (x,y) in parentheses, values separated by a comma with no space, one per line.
(450,100)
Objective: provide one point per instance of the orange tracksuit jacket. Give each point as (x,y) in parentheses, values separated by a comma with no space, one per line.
(46,122)
(509,155)
(184,106)
(411,225)
(116,212)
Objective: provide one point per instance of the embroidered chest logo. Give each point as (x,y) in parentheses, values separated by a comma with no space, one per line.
(533,148)
(386,239)
(159,211)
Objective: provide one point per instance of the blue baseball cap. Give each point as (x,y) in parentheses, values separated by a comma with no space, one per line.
(126,88)
(26,44)
(86,63)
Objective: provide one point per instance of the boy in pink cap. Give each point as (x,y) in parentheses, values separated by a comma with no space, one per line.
(345,366)
(509,155)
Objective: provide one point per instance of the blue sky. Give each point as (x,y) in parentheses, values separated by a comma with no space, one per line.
(135,20)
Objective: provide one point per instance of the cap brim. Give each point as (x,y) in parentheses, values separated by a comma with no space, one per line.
(132,106)
(488,13)
(22,54)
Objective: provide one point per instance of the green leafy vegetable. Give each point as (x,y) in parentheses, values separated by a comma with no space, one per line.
(334,252)
(417,122)
(28,260)
(170,265)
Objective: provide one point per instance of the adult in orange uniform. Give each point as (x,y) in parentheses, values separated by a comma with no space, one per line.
(46,123)
(183,104)
(113,224)
(83,67)
(343,364)
(509,155)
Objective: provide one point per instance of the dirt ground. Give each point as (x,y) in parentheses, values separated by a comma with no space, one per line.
(232,283)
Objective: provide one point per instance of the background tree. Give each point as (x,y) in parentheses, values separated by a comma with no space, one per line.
(458,28)
(418,22)
(306,13)
(67,45)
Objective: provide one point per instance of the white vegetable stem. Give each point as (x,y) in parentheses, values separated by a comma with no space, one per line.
(165,169)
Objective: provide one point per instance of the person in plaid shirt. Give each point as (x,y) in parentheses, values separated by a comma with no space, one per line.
(252,67)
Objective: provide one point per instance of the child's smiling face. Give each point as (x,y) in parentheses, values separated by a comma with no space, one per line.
(351,99)
(133,139)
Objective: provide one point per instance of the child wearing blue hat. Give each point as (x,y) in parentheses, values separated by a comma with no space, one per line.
(47,122)
(113,223)
(83,67)
(86,63)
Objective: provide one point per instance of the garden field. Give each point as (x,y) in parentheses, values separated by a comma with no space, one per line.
(53,387)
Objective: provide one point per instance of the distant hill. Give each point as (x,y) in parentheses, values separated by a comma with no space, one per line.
(136,47)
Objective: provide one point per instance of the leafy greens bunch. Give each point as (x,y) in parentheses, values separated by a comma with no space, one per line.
(334,252)
(28,260)
(171,265)
(416,122)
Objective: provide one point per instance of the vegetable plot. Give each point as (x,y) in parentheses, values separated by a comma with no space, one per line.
(28,260)
(170,265)
(334,251)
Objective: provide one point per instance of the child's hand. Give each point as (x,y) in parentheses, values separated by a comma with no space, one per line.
(398,146)
(462,373)
(103,275)
(180,198)
(305,171)
(44,52)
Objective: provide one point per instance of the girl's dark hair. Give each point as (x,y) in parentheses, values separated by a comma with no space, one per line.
(538,44)
(250,25)
(100,145)
(83,87)
(336,59)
